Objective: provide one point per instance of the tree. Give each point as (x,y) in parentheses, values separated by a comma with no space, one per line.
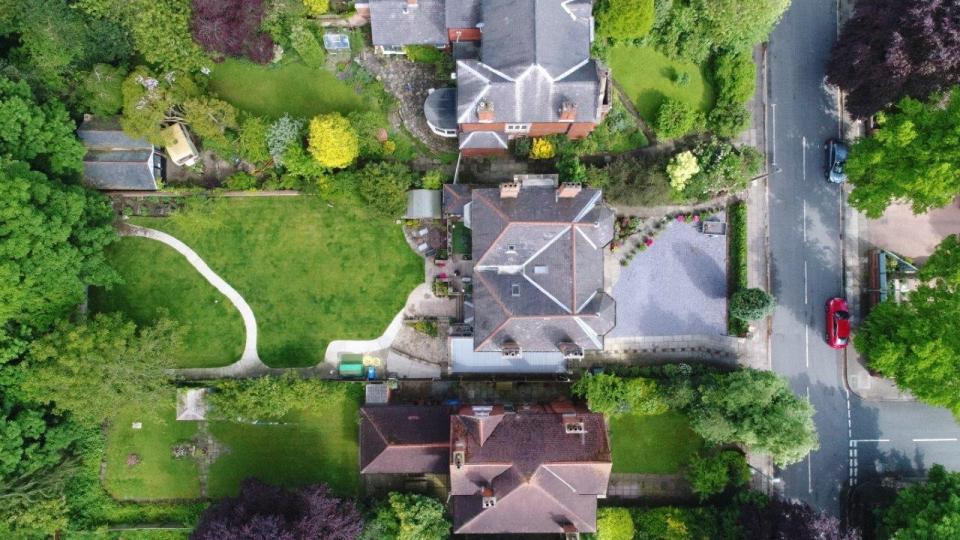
(384,186)
(39,133)
(264,511)
(912,156)
(152,101)
(712,475)
(406,516)
(94,369)
(734,74)
(333,141)
(51,37)
(571,169)
(751,304)
(773,517)
(917,342)
(625,19)
(929,509)
(614,524)
(305,42)
(432,180)
(161,32)
(232,27)
(252,140)
(99,93)
(317,7)
(210,119)
(51,249)
(269,398)
(283,133)
(613,395)
(724,168)
(676,118)
(755,408)
(682,167)
(892,49)
(542,148)
(370,126)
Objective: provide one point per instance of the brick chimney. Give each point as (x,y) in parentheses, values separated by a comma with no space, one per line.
(485,112)
(489,498)
(568,111)
(509,190)
(412,3)
(568,190)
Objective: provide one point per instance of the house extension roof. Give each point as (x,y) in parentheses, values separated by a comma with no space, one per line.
(393,23)
(115,161)
(541,477)
(538,272)
(401,439)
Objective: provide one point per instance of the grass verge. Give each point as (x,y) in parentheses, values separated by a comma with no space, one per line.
(659,444)
(312,272)
(737,254)
(648,77)
(159,282)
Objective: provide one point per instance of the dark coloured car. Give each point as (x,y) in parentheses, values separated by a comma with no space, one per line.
(838,323)
(837,152)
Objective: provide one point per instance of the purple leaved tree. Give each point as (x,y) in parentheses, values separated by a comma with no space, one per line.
(232,28)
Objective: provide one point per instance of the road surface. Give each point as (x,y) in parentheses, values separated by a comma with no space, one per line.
(858,439)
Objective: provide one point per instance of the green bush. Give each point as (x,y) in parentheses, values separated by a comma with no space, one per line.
(305,42)
(571,169)
(632,181)
(724,168)
(614,524)
(426,54)
(624,19)
(734,77)
(521,147)
(676,118)
(613,395)
(241,181)
(384,186)
(712,475)
(428,328)
(751,304)
(432,180)
(737,252)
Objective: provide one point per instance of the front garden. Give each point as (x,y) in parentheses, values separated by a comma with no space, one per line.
(649,78)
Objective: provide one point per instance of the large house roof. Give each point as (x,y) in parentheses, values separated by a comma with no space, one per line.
(114,160)
(404,439)
(538,272)
(541,475)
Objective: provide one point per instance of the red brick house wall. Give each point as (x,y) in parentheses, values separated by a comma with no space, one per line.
(466,34)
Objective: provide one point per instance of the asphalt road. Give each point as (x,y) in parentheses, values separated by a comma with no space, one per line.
(858,439)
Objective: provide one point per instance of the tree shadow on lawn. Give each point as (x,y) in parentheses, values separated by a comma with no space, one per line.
(648,102)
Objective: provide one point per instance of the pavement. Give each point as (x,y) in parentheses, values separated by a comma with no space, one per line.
(814,255)
(926,231)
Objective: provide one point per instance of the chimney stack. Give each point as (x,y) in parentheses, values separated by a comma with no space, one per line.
(568,111)
(484,111)
(568,190)
(489,499)
(509,190)
(412,3)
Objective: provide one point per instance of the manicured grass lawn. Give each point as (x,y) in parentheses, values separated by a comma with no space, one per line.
(462,239)
(318,446)
(660,444)
(159,281)
(647,77)
(312,273)
(158,475)
(289,87)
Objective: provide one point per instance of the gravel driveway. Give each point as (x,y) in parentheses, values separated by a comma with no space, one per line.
(676,287)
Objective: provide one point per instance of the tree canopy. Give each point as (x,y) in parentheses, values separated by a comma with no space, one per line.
(891,49)
(913,156)
(232,27)
(406,516)
(264,511)
(929,509)
(333,141)
(624,19)
(917,342)
(751,304)
(710,475)
(613,395)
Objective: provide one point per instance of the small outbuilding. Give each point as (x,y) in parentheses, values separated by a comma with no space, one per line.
(180,147)
(424,204)
(116,161)
(334,42)
(191,405)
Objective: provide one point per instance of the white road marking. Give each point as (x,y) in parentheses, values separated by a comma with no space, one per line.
(773,130)
(806,292)
(804,221)
(803,159)
(806,348)
(855,441)
(809,475)
(935,440)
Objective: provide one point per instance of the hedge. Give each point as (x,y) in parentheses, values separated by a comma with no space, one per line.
(737,250)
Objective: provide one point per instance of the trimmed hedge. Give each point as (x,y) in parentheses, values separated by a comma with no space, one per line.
(737,251)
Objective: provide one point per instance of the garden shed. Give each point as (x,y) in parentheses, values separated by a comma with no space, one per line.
(423,204)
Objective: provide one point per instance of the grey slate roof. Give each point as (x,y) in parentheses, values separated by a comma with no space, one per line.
(463,13)
(114,160)
(393,23)
(404,439)
(538,274)
(541,476)
(455,197)
(440,108)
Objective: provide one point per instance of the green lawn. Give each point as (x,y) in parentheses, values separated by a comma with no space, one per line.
(157,280)
(319,446)
(647,77)
(311,272)
(289,87)
(462,240)
(660,444)
(158,475)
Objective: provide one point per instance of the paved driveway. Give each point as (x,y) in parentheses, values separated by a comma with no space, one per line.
(676,287)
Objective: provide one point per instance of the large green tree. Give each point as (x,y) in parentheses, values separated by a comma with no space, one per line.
(52,238)
(614,396)
(917,342)
(913,156)
(624,19)
(40,133)
(406,516)
(927,510)
(93,369)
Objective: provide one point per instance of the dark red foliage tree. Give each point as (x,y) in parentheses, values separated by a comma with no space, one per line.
(779,519)
(266,512)
(232,28)
(896,48)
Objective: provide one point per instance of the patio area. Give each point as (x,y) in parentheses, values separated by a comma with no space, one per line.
(677,286)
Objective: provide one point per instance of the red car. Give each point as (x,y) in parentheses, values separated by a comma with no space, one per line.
(838,323)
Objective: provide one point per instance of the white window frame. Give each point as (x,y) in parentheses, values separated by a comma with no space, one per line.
(516,128)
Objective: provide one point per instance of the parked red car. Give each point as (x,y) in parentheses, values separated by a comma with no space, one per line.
(838,323)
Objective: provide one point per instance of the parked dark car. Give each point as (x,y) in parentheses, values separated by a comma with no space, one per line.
(837,152)
(838,323)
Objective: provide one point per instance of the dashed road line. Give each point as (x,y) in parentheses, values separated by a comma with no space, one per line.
(936,440)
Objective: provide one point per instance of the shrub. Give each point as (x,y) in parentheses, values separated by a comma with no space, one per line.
(241,181)
(251,140)
(426,54)
(432,180)
(281,135)
(728,119)
(317,7)
(625,19)
(383,185)
(711,475)
(737,250)
(734,75)
(521,147)
(542,148)
(632,181)
(333,141)
(571,169)
(428,328)
(305,42)
(406,516)
(232,28)
(614,396)
(723,168)
(99,92)
(269,397)
(681,168)
(614,524)
(676,118)
(751,304)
